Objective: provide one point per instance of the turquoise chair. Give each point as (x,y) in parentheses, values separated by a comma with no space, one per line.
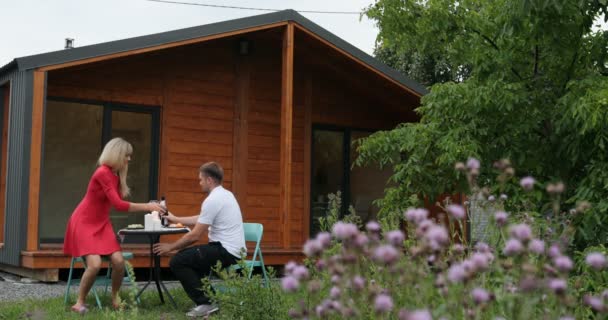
(253,233)
(104,280)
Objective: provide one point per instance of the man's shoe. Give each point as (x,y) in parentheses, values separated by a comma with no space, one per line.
(202,310)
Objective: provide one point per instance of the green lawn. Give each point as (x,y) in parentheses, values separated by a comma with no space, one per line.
(150,308)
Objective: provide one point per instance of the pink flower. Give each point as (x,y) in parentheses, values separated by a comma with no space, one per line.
(537,246)
(312,247)
(386,254)
(416,215)
(290,266)
(334,293)
(395,237)
(501,218)
(480,295)
(361,240)
(521,232)
(373,227)
(437,237)
(558,285)
(456,211)
(491,198)
(482,247)
(290,284)
(383,303)
(503,197)
(563,263)
(358,283)
(343,231)
(596,260)
(512,247)
(415,315)
(595,303)
(457,273)
(554,251)
(300,272)
(480,260)
(527,183)
(473,164)
(324,238)
(458,248)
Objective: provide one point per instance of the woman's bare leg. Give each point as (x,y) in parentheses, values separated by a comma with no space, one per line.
(88,278)
(118,272)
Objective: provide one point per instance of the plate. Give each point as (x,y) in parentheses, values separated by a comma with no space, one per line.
(135,226)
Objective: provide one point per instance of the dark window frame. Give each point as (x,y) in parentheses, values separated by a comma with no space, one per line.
(106,134)
(346,163)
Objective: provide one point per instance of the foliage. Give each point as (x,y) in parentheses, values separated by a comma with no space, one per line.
(534,91)
(423,274)
(334,209)
(242,298)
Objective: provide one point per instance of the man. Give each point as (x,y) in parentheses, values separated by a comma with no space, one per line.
(221,219)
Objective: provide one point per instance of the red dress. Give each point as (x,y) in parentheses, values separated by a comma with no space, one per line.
(89,229)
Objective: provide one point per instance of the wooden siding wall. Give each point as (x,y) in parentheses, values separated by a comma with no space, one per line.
(208,94)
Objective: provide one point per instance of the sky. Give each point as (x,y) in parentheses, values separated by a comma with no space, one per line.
(37,26)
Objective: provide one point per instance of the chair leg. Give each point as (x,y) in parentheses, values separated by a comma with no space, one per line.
(266,280)
(67,291)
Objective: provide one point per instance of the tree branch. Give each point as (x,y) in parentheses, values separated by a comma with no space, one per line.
(495,46)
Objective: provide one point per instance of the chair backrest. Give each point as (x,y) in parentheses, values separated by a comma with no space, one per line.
(253,232)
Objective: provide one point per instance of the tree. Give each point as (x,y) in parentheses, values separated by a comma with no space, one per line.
(535,91)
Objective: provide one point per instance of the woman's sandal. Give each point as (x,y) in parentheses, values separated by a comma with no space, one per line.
(80,309)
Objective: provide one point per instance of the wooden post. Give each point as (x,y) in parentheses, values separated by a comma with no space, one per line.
(308,94)
(286,132)
(39,95)
(240,131)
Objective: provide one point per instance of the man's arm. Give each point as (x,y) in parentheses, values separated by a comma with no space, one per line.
(188,239)
(187,221)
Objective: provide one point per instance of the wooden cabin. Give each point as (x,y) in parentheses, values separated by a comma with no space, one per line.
(274,98)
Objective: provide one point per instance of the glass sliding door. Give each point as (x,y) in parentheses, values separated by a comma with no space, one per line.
(74,135)
(332,158)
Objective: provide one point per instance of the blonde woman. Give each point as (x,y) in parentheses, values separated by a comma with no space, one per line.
(89,232)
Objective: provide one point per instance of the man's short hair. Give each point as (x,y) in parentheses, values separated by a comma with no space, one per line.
(213,170)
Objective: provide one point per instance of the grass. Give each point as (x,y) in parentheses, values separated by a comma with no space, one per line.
(53,308)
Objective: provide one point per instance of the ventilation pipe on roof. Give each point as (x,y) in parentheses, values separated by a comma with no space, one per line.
(69,43)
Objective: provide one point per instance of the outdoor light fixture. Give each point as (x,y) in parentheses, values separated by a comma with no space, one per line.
(244,47)
(69,43)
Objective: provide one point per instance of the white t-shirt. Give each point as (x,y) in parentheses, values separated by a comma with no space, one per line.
(222,213)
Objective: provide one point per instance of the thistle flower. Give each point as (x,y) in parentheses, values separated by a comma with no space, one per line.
(383,303)
(344,231)
(386,254)
(563,263)
(324,238)
(480,295)
(290,284)
(594,302)
(395,237)
(415,315)
(457,273)
(372,227)
(527,183)
(456,211)
(358,283)
(521,231)
(537,246)
(300,272)
(473,164)
(557,285)
(416,215)
(500,217)
(312,248)
(513,247)
(334,292)
(596,260)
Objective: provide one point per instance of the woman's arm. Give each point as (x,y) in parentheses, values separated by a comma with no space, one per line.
(106,180)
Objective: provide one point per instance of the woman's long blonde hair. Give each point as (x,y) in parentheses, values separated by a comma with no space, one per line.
(114,154)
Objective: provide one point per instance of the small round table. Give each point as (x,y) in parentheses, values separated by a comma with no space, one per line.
(154,237)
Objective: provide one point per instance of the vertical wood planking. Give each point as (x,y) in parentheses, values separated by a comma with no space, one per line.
(241,127)
(286,131)
(35,159)
(308,87)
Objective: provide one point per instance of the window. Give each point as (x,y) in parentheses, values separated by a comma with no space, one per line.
(74,135)
(332,158)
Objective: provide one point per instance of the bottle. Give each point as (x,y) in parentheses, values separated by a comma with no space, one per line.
(163,220)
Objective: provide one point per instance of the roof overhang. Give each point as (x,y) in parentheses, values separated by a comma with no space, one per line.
(120,48)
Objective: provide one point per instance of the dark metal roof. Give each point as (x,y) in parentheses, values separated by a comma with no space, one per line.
(96,50)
